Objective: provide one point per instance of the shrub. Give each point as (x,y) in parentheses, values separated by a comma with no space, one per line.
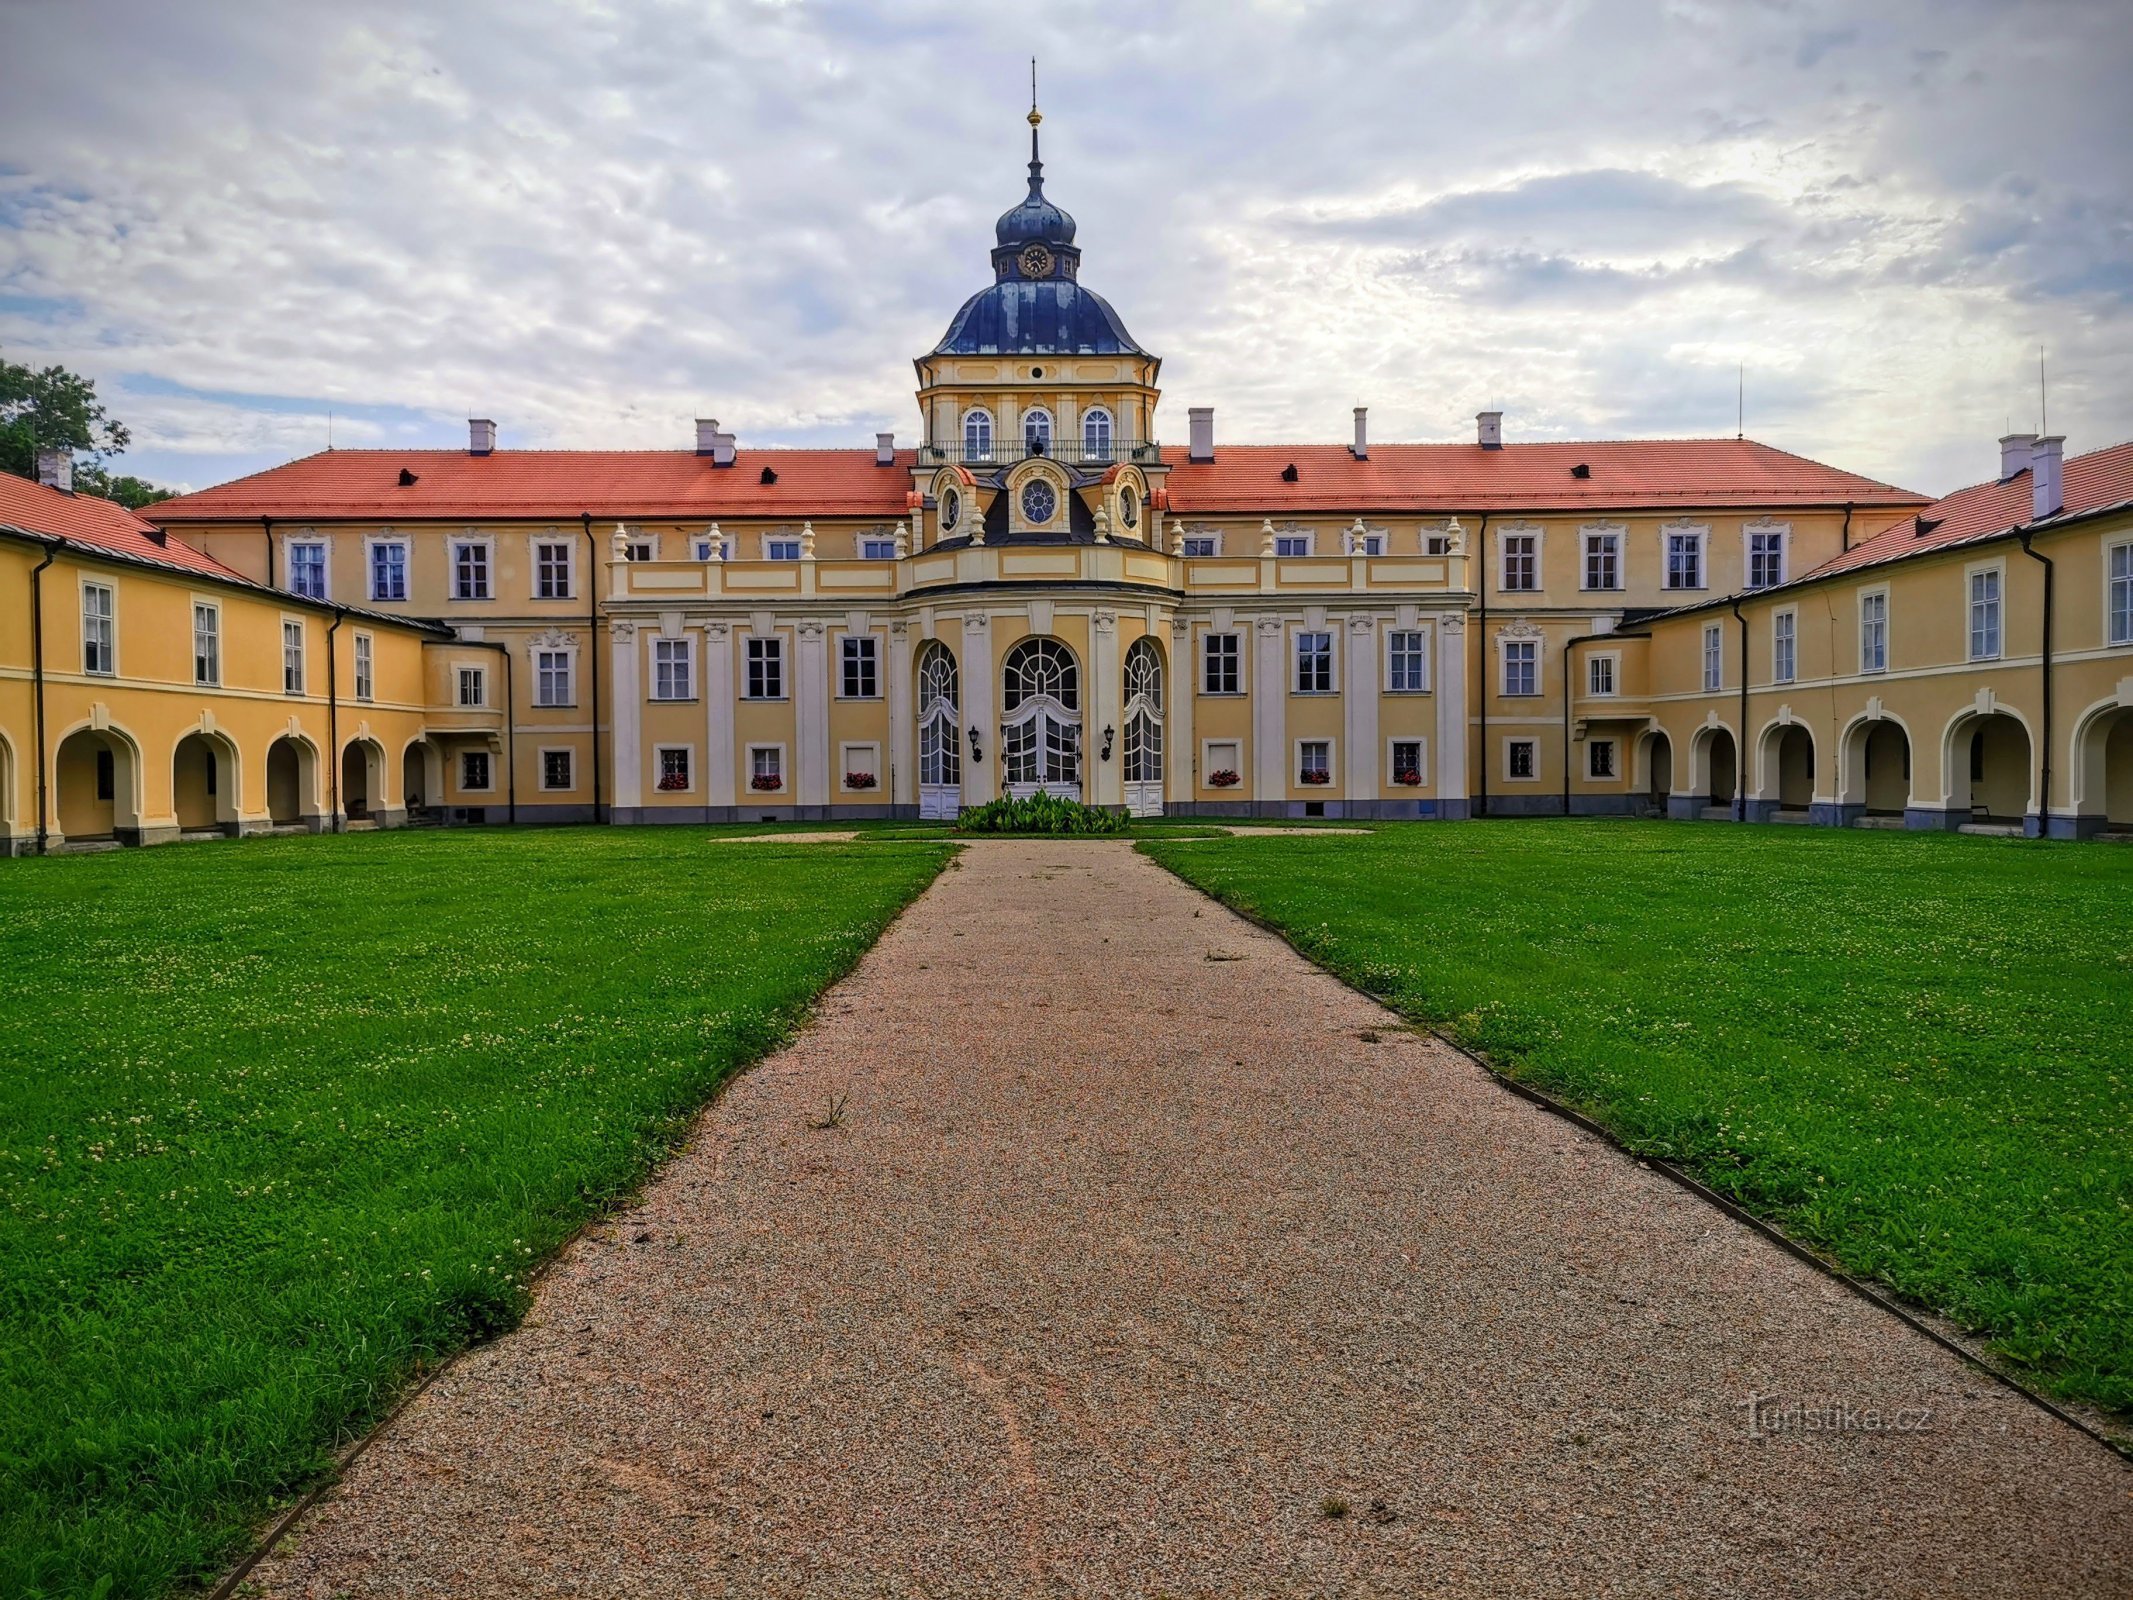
(1040,813)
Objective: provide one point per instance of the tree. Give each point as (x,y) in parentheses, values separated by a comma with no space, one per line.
(58,410)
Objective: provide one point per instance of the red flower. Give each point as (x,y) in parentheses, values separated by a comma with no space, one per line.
(859,780)
(1316,775)
(766,781)
(1225,779)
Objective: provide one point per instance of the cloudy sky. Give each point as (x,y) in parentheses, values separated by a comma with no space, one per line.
(597,221)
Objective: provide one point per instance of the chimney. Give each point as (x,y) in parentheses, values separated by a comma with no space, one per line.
(2014,453)
(1201,425)
(481,436)
(55,469)
(1362,433)
(884,449)
(706,436)
(2045,496)
(1488,429)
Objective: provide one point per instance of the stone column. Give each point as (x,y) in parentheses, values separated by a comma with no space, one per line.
(718,716)
(1270,718)
(628,706)
(1102,780)
(903,729)
(1179,690)
(810,701)
(974,662)
(1452,791)
(1359,718)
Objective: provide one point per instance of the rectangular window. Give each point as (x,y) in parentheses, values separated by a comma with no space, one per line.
(1713,659)
(672,677)
(1783,647)
(388,571)
(470,571)
(551,678)
(1314,663)
(292,658)
(1437,544)
(106,775)
(781,549)
(1521,666)
(703,549)
(1221,764)
(1518,759)
(1600,758)
(551,570)
(207,643)
(99,632)
(766,669)
(1603,561)
(1874,632)
(307,568)
(1521,562)
(877,549)
(1600,675)
(1314,761)
(673,762)
(1407,660)
(1985,615)
(1370,544)
(1199,544)
(365,678)
(1292,544)
(2121,598)
(1407,763)
(642,550)
(1221,664)
(474,686)
(1684,561)
(1766,560)
(860,678)
(766,768)
(473,769)
(555,769)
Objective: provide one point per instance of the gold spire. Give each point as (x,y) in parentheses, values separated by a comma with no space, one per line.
(1035,116)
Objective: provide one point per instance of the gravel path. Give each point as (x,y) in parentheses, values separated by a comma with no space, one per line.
(1141,1245)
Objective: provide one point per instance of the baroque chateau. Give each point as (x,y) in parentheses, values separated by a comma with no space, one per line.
(1040,594)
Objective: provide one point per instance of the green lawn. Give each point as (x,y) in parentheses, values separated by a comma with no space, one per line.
(1913,1051)
(281,1121)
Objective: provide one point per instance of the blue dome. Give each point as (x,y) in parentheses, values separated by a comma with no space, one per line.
(1043,316)
(1035,221)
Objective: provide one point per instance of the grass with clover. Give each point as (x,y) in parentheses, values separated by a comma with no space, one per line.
(283,1121)
(1914,1051)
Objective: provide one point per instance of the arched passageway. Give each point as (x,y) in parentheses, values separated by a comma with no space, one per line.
(292,782)
(203,783)
(1989,769)
(1789,771)
(95,785)
(362,781)
(1880,768)
(1658,771)
(2103,769)
(1717,767)
(422,779)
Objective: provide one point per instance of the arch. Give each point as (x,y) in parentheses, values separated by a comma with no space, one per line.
(1037,430)
(1040,719)
(2100,772)
(940,727)
(422,776)
(7,794)
(96,783)
(1785,760)
(1988,770)
(292,781)
(977,434)
(1096,429)
(206,782)
(1714,765)
(1874,764)
(1035,487)
(363,792)
(1141,753)
(1655,759)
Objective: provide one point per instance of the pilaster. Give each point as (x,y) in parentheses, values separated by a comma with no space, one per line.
(974,659)
(1184,683)
(903,756)
(1359,711)
(718,715)
(811,712)
(1104,784)
(628,691)
(1270,715)
(1452,795)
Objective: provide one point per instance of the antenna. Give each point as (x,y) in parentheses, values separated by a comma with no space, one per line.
(1033,83)
(1740,401)
(329,430)
(2044,424)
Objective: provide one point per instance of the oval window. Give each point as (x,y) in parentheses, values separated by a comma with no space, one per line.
(1039,501)
(951,510)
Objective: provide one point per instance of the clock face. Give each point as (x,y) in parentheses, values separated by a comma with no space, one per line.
(1036,262)
(1039,501)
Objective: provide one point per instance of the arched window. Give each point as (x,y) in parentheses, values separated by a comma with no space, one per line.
(1037,430)
(1096,434)
(940,758)
(1144,713)
(977,434)
(1040,731)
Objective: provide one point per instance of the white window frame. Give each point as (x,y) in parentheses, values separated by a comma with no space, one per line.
(1784,645)
(2118,592)
(775,643)
(1603,675)
(1997,572)
(1436,541)
(104,624)
(1874,629)
(687,752)
(568,753)
(1504,691)
(1422,632)
(1050,430)
(371,547)
(1752,531)
(978,419)
(1363,545)
(643,545)
(486,545)
(1590,541)
(1714,658)
(749,774)
(877,547)
(1297,768)
(849,761)
(488,758)
(1533,758)
(569,655)
(872,652)
(1503,559)
(1213,541)
(1235,641)
(478,671)
(1109,446)
(208,676)
(569,547)
(295,657)
(1307,537)
(1698,537)
(366,667)
(1593,747)
(324,548)
(679,653)
(1392,759)
(1208,766)
(1332,684)
(702,543)
(774,542)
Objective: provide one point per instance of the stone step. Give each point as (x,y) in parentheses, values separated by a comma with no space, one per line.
(1878,822)
(1993,830)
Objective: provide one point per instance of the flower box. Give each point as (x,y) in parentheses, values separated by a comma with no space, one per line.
(1225,779)
(673,782)
(1317,775)
(859,780)
(764,782)
(1408,778)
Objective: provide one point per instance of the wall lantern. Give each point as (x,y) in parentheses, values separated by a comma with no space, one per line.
(977,755)
(1108,732)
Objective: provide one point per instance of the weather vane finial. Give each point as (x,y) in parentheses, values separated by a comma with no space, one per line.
(1035,116)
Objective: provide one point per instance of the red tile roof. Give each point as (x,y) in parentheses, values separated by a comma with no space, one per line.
(556,485)
(2092,482)
(1622,473)
(84,519)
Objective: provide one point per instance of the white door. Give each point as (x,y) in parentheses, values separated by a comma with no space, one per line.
(1143,750)
(1040,727)
(940,758)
